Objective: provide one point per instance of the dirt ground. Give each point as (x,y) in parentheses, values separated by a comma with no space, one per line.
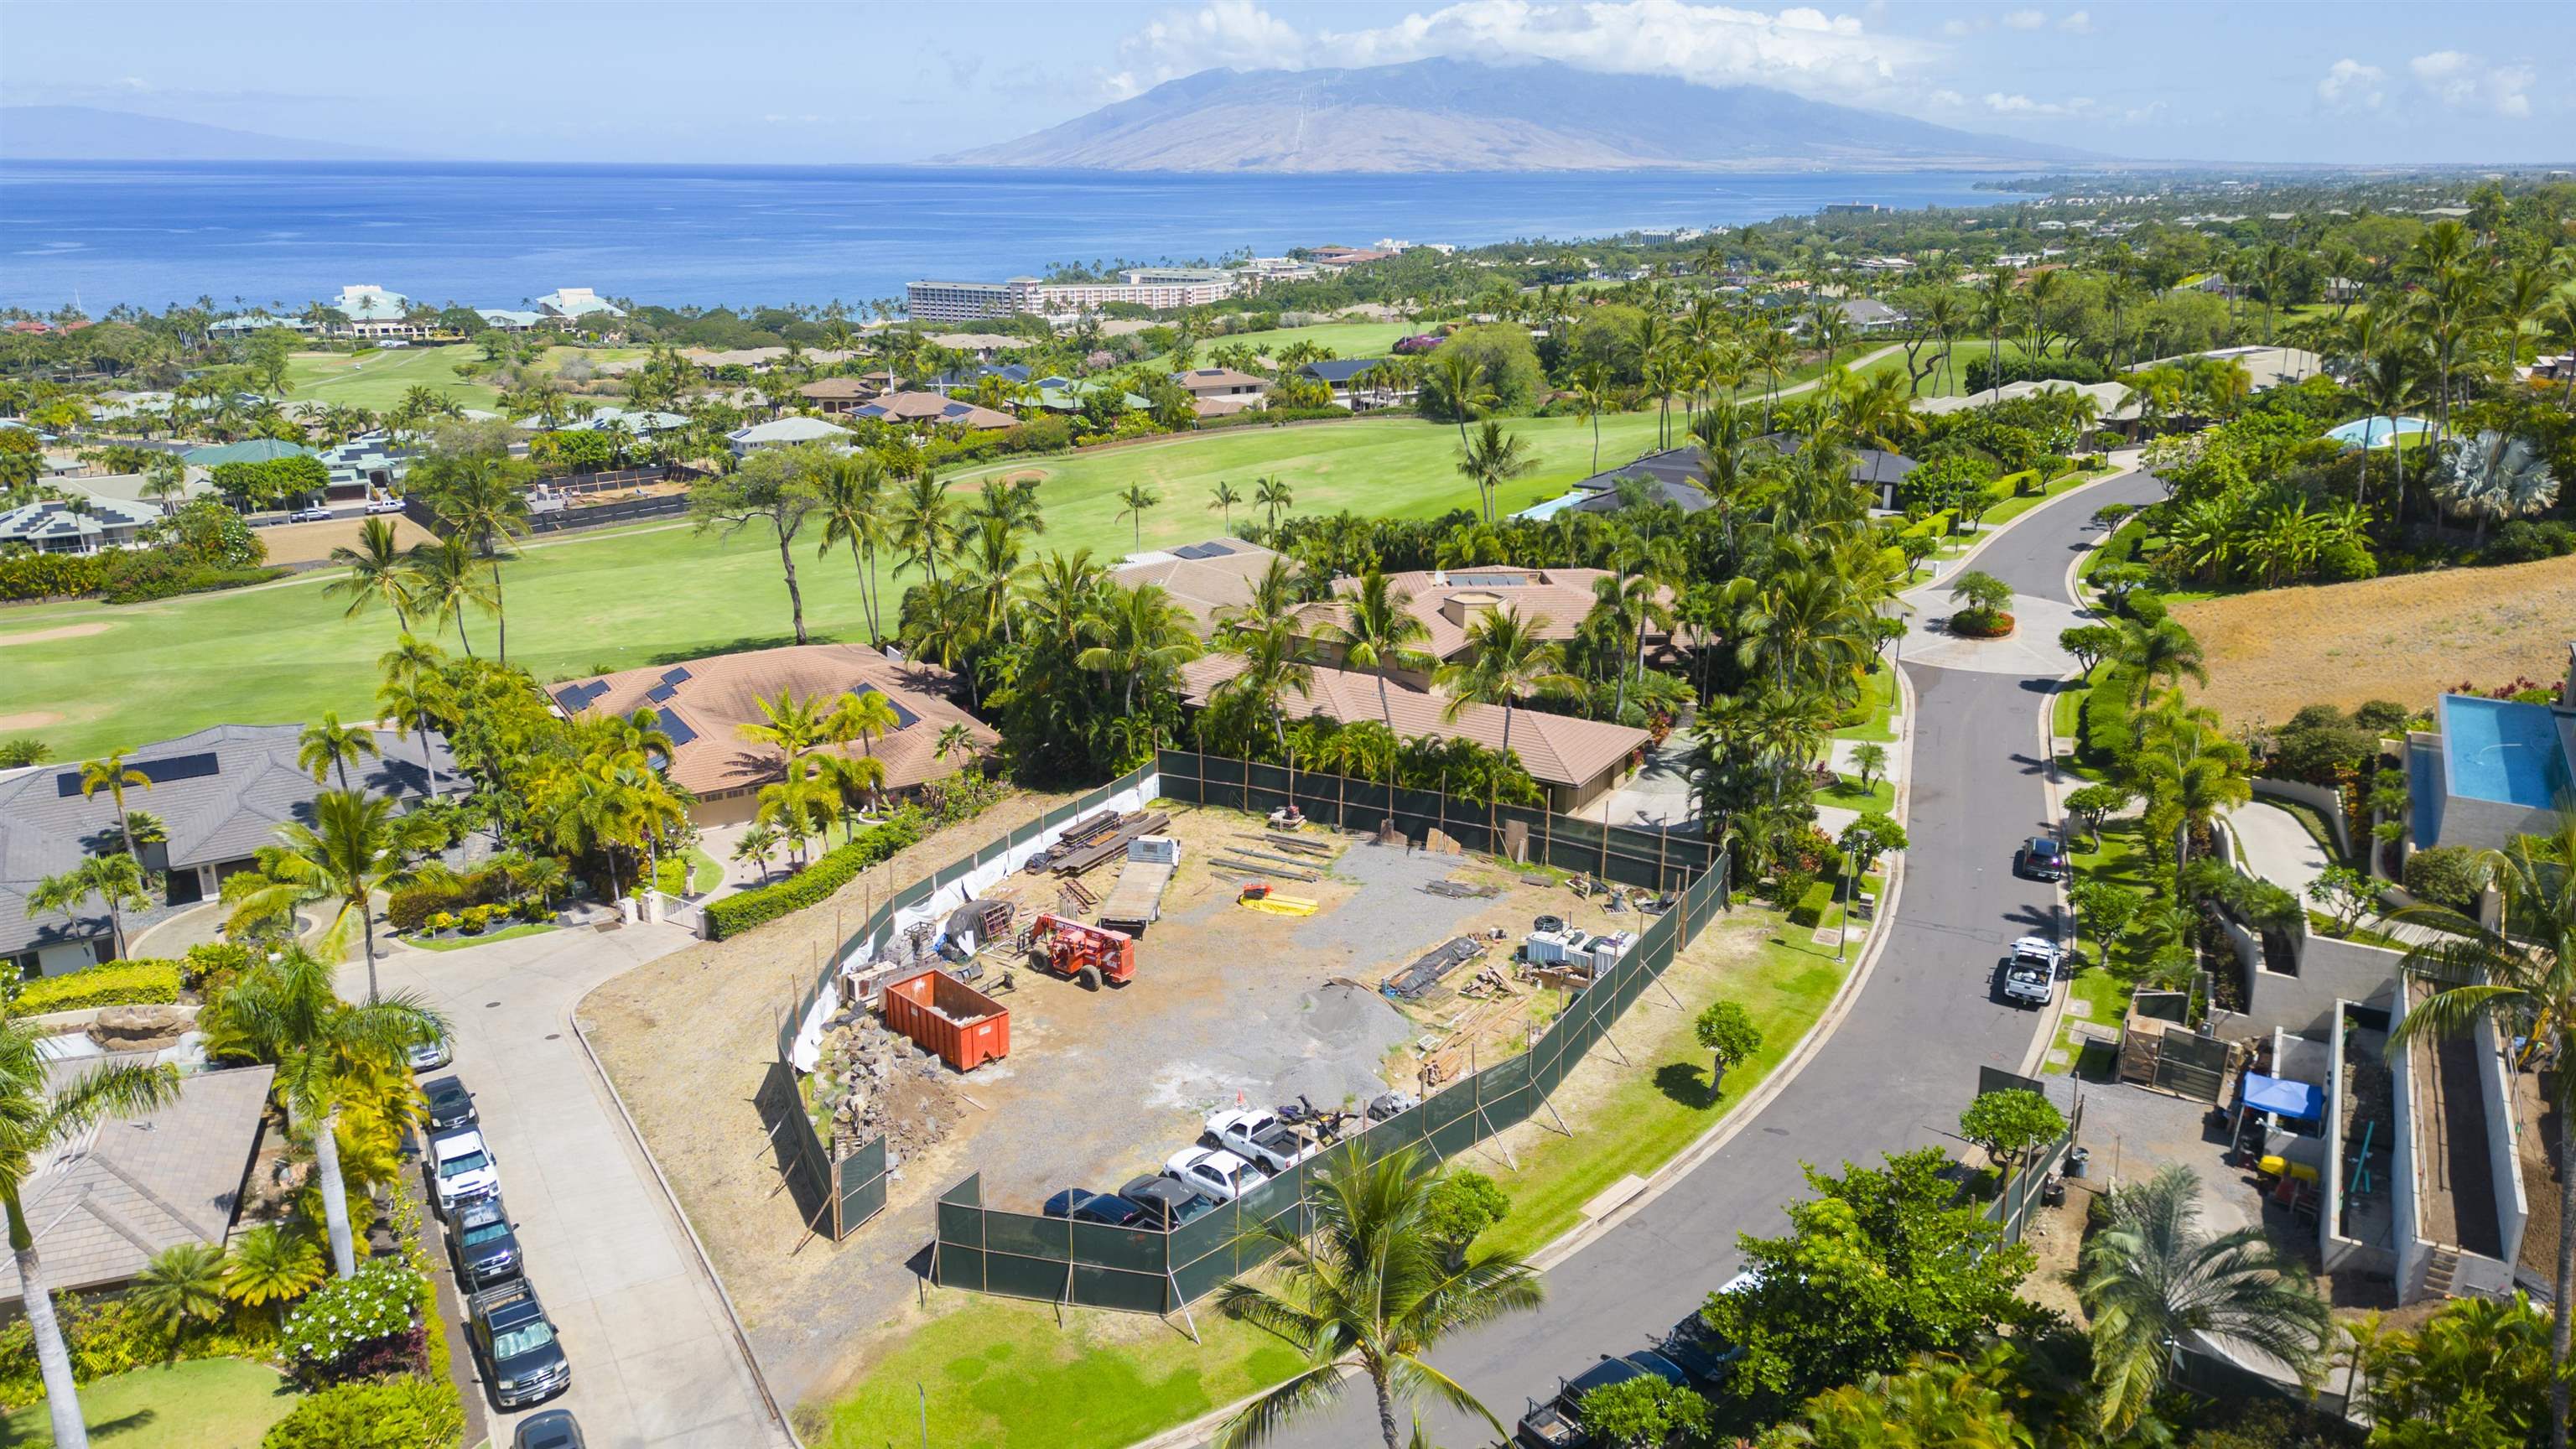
(290,544)
(1230,1005)
(2404,638)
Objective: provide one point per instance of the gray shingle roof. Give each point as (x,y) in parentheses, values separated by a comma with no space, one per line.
(219,815)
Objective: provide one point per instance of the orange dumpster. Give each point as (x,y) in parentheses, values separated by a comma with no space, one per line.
(963,1025)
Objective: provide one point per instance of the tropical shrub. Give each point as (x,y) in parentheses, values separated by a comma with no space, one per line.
(815,884)
(334,1323)
(49,575)
(2446,875)
(1812,905)
(401,1413)
(119,983)
(271,484)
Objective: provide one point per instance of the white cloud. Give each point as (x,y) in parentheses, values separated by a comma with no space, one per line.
(2140,115)
(1948,98)
(2348,82)
(2079,22)
(2026,19)
(1798,48)
(2020,105)
(1963,26)
(2463,81)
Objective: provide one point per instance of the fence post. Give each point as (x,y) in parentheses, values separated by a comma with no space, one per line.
(1202,754)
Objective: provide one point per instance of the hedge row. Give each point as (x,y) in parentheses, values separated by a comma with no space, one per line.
(814,884)
(1811,907)
(119,983)
(49,575)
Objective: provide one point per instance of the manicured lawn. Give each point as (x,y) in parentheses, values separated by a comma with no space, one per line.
(695,875)
(1005,1375)
(1880,727)
(626,597)
(2015,507)
(2122,860)
(378,379)
(1346,339)
(2066,708)
(506,933)
(213,1403)
(1846,794)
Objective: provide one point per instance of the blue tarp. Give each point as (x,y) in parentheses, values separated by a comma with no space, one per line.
(2296,1100)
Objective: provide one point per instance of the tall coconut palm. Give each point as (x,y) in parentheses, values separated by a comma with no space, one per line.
(37,1121)
(379,573)
(789,722)
(354,848)
(488,505)
(2156,655)
(111,773)
(445,584)
(864,715)
(285,1011)
(2520,975)
(1493,459)
(1133,502)
(1378,632)
(1591,400)
(2391,380)
(1270,495)
(924,523)
(415,697)
(2190,771)
(1273,655)
(329,747)
(1221,499)
(1462,385)
(1507,658)
(2151,1278)
(117,880)
(797,803)
(852,490)
(1366,1292)
(1138,634)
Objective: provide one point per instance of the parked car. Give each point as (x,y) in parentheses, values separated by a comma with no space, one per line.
(1557,1423)
(1085,1206)
(486,1242)
(461,1169)
(1215,1172)
(1258,1137)
(392,505)
(515,1345)
(429,1056)
(1167,1204)
(2027,982)
(2042,950)
(451,1107)
(553,1429)
(310,515)
(1698,1351)
(2043,857)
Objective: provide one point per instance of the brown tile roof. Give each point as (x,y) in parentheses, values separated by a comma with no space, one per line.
(1200,380)
(840,387)
(1552,601)
(133,1186)
(712,698)
(1225,406)
(1202,584)
(930,407)
(1556,749)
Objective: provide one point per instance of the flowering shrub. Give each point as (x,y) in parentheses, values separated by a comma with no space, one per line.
(338,1320)
(1418,343)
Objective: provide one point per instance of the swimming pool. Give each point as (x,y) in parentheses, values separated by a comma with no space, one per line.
(2495,749)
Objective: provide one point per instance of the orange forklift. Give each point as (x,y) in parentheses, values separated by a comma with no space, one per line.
(1077,951)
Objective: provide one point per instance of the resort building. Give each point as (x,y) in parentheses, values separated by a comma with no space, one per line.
(86,525)
(367,310)
(504,319)
(703,705)
(956,301)
(1156,288)
(220,794)
(245,325)
(571,303)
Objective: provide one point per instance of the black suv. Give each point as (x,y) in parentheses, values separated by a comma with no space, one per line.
(2043,858)
(486,1242)
(451,1107)
(515,1346)
(1167,1203)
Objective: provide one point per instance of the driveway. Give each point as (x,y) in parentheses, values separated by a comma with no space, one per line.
(2277,847)
(1659,796)
(654,1357)
(1895,1072)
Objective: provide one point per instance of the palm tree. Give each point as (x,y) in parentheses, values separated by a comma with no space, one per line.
(924,524)
(285,1011)
(328,747)
(112,774)
(1273,656)
(790,722)
(1221,499)
(795,803)
(2151,656)
(1492,460)
(488,505)
(852,492)
(1368,1291)
(1271,495)
(37,1121)
(1137,633)
(445,584)
(182,1286)
(415,696)
(2520,975)
(954,741)
(1136,499)
(1507,658)
(1378,632)
(757,843)
(353,849)
(116,879)
(2150,1278)
(378,573)
(1462,382)
(2497,476)
(1591,400)
(2391,380)
(2190,771)
(852,781)
(272,1264)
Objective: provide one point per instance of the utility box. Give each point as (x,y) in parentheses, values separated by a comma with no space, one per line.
(963,1025)
(1552,948)
(1154,850)
(1606,948)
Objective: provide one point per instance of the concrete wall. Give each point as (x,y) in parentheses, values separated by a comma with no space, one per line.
(2329,970)
(2411,1257)
(2327,800)
(2489,824)
(2337,1252)
(2504,1157)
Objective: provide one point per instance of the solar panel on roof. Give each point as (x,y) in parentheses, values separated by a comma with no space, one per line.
(904,718)
(159,772)
(670,685)
(577,697)
(676,727)
(1490,581)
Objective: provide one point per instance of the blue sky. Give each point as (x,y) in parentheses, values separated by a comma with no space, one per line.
(749,81)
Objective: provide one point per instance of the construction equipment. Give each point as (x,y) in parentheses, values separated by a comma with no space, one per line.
(1081,952)
(1137,900)
(1112,845)
(1260,896)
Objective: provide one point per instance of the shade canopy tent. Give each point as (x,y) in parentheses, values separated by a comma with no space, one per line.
(2377,432)
(2297,1101)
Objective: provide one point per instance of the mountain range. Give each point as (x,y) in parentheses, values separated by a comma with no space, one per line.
(1453,115)
(85,133)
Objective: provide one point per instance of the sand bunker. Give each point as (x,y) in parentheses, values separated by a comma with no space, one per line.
(33,719)
(40,636)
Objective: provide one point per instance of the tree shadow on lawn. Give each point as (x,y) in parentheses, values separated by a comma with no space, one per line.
(743,645)
(1687,1085)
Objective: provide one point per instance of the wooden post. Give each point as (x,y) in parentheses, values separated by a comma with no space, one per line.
(1202,754)
(1443,810)
(1604,871)
(1341,801)
(1663,839)
(1546,836)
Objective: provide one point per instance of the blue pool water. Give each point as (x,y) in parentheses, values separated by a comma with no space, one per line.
(2498,750)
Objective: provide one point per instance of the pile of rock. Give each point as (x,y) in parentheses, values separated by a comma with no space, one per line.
(141,1028)
(876,1083)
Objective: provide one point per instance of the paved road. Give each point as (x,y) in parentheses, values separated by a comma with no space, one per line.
(1900,1067)
(654,1359)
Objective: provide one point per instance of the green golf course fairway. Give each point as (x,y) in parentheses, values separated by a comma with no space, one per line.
(281,653)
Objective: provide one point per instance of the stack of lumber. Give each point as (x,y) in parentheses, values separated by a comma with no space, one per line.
(1103,847)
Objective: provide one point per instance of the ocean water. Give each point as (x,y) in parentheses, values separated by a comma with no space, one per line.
(490,235)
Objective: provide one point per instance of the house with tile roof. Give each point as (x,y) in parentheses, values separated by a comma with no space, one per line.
(220,793)
(127,1188)
(782,433)
(703,704)
(1342,375)
(82,525)
(1205,578)
(929,409)
(567,303)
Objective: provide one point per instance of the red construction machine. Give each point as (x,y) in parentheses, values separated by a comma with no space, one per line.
(1081,952)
